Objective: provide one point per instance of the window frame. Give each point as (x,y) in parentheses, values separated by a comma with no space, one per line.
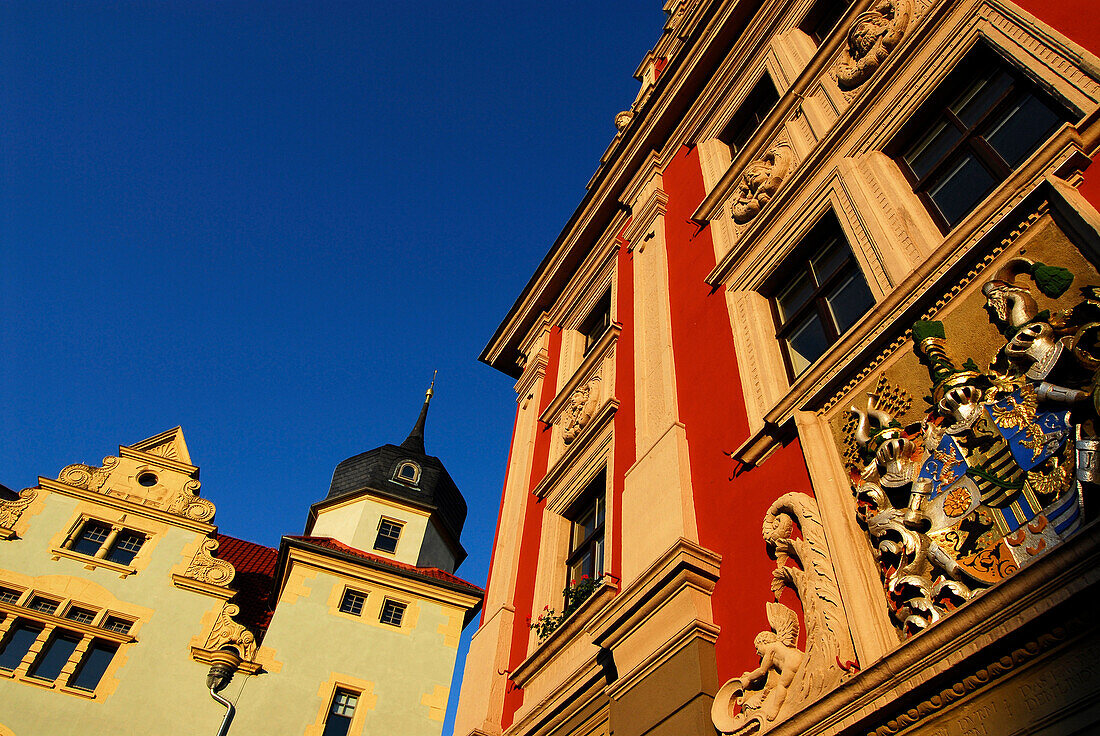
(737,128)
(348,595)
(343,726)
(398,524)
(936,107)
(593,499)
(596,323)
(799,261)
(397,605)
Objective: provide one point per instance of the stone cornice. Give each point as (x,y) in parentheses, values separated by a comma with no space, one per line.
(128,507)
(584,371)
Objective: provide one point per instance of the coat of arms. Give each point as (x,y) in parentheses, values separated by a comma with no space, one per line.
(996,472)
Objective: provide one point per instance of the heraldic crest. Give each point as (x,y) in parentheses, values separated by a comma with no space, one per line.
(997,471)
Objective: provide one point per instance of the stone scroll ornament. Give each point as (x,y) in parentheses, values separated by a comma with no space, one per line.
(997,471)
(871,37)
(788,677)
(759,182)
(579,411)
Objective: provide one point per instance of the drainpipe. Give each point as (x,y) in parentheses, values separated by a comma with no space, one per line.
(224,663)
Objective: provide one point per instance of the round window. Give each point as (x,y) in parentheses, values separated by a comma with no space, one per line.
(147,479)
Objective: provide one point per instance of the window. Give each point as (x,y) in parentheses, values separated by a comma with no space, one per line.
(126,547)
(597,322)
(91,538)
(750,115)
(823,293)
(981,123)
(18,643)
(407,473)
(42,605)
(80,615)
(586,533)
(388,534)
(118,625)
(822,19)
(9,595)
(341,712)
(353,602)
(53,658)
(147,479)
(93,665)
(392,612)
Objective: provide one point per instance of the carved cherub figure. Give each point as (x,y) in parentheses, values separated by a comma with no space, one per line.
(780,659)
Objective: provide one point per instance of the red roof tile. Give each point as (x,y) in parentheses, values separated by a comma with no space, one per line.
(431,572)
(255,566)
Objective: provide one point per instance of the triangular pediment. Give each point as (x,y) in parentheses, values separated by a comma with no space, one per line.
(169,445)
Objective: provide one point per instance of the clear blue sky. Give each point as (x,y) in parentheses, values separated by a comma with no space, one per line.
(269,222)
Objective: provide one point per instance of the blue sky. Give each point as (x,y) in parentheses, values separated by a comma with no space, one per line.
(269,223)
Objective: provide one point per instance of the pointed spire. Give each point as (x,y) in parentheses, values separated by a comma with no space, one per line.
(415,440)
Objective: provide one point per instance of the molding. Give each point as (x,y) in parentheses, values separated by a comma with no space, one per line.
(91,563)
(196,525)
(576,448)
(47,619)
(584,372)
(197,586)
(161,460)
(691,631)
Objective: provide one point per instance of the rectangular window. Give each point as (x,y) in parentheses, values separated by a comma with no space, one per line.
(118,625)
(822,19)
(979,125)
(93,665)
(586,533)
(91,538)
(392,612)
(126,546)
(823,293)
(750,115)
(388,534)
(9,595)
(597,322)
(340,713)
(42,605)
(353,602)
(53,658)
(18,643)
(80,615)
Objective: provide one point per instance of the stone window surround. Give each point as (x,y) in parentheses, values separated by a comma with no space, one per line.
(399,478)
(595,277)
(870,173)
(99,559)
(399,605)
(347,595)
(52,623)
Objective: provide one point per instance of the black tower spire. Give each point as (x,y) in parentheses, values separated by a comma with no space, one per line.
(415,440)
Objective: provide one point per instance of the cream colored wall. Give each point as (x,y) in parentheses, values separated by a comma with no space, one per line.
(407,670)
(159,689)
(356,524)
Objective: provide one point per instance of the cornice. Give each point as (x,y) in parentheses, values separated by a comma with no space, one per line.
(579,446)
(13,610)
(582,374)
(128,507)
(164,462)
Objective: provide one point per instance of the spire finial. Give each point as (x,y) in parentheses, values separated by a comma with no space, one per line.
(415,440)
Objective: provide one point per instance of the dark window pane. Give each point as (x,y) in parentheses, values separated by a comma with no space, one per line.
(388,534)
(118,625)
(927,151)
(18,644)
(1022,129)
(93,665)
(977,100)
(91,538)
(53,658)
(849,301)
(353,602)
(806,342)
(960,189)
(42,605)
(823,18)
(80,615)
(392,613)
(794,295)
(126,547)
(827,261)
(9,595)
(758,103)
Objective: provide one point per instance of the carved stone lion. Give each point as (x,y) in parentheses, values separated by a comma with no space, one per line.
(871,38)
(759,182)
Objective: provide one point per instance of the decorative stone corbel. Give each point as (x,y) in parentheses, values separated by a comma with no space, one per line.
(228,634)
(871,37)
(10,511)
(188,503)
(206,568)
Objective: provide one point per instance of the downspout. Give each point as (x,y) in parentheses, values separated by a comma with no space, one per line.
(223,664)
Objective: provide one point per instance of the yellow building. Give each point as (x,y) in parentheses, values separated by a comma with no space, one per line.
(123,609)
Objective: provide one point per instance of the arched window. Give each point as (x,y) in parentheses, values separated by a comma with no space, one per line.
(408,473)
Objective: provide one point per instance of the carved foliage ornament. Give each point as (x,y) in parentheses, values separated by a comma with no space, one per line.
(787,677)
(10,511)
(227,632)
(992,476)
(206,568)
(871,37)
(759,182)
(580,410)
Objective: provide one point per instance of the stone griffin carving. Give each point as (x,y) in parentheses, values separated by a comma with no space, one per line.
(752,702)
(759,182)
(871,37)
(992,476)
(10,511)
(227,632)
(580,409)
(206,568)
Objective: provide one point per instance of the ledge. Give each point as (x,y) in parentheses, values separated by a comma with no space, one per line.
(105,499)
(92,563)
(564,634)
(596,424)
(581,374)
(207,656)
(197,586)
(48,619)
